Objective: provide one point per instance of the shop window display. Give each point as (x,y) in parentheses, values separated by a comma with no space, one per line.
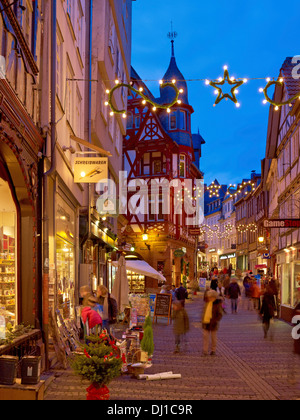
(8,255)
(65,259)
(296,285)
(65,278)
(286,285)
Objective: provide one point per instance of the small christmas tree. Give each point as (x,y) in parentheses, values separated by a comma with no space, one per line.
(147,343)
(99,363)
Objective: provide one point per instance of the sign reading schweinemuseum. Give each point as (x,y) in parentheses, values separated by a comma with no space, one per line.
(90,170)
(282,223)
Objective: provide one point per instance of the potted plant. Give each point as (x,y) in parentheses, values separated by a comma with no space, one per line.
(99,362)
(147,343)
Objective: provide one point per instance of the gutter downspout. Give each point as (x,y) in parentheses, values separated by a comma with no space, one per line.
(90,106)
(45,294)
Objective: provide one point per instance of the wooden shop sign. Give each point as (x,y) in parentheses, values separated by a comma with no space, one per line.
(90,170)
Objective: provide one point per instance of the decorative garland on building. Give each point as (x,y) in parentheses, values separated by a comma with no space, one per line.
(145,98)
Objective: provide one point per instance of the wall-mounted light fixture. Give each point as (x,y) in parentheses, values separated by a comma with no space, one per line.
(70,148)
(261,239)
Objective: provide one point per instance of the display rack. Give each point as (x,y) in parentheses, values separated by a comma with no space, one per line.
(7,276)
(136,282)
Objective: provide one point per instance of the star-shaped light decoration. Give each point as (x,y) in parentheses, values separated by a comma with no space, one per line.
(231,81)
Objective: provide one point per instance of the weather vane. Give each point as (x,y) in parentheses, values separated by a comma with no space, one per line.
(172,35)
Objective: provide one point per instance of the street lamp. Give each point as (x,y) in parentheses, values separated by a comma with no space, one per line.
(145,238)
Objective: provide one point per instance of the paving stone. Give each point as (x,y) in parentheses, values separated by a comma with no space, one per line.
(246,366)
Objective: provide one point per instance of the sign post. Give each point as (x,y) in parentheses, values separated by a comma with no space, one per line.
(163,306)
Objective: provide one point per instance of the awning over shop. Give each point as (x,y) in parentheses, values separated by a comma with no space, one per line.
(142,267)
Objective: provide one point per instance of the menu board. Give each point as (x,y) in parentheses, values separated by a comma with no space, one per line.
(163,304)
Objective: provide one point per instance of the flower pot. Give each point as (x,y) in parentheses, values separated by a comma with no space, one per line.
(8,369)
(96,392)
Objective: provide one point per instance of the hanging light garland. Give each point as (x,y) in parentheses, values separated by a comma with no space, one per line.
(139,91)
(218,84)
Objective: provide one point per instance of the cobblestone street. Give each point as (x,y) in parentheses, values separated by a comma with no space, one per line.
(246,366)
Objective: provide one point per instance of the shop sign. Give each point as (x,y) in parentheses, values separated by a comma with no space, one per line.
(179,253)
(195,231)
(282,223)
(212,250)
(90,170)
(227,256)
(266,256)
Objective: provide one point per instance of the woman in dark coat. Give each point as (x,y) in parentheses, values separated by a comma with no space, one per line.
(267,311)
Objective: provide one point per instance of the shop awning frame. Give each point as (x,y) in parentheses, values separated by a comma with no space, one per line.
(142,267)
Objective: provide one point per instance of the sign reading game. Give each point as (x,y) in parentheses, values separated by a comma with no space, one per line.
(282,223)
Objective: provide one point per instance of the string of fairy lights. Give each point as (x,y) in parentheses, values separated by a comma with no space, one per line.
(217,84)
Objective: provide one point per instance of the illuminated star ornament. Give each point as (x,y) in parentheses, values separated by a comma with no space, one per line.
(214,190)
(232,82)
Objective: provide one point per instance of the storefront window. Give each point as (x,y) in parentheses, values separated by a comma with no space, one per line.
(296,285)
(286,285)
(111,275)
(8,255)
(65,259)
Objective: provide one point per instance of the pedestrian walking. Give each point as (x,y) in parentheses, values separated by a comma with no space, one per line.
(214,283)
(180,323)
(267,310)
(229,271)
(173,291)
(221,293)
(296,312)
(86,293)
(109,307)
(274,286)
(181,294)
(234,292)
(211,317)
(226,284)
(91,319)
(256,293)
(248,294)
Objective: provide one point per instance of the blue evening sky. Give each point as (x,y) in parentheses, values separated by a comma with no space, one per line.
(252,37)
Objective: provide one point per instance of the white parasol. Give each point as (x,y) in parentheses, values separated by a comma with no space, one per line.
(120,289)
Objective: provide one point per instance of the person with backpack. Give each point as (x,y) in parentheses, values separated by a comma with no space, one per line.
(267,310)
(234,292)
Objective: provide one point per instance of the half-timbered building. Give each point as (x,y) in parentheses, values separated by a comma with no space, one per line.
(282,181)
(159,150)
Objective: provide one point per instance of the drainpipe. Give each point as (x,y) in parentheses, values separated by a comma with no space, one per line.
(90,104)
(46,203)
